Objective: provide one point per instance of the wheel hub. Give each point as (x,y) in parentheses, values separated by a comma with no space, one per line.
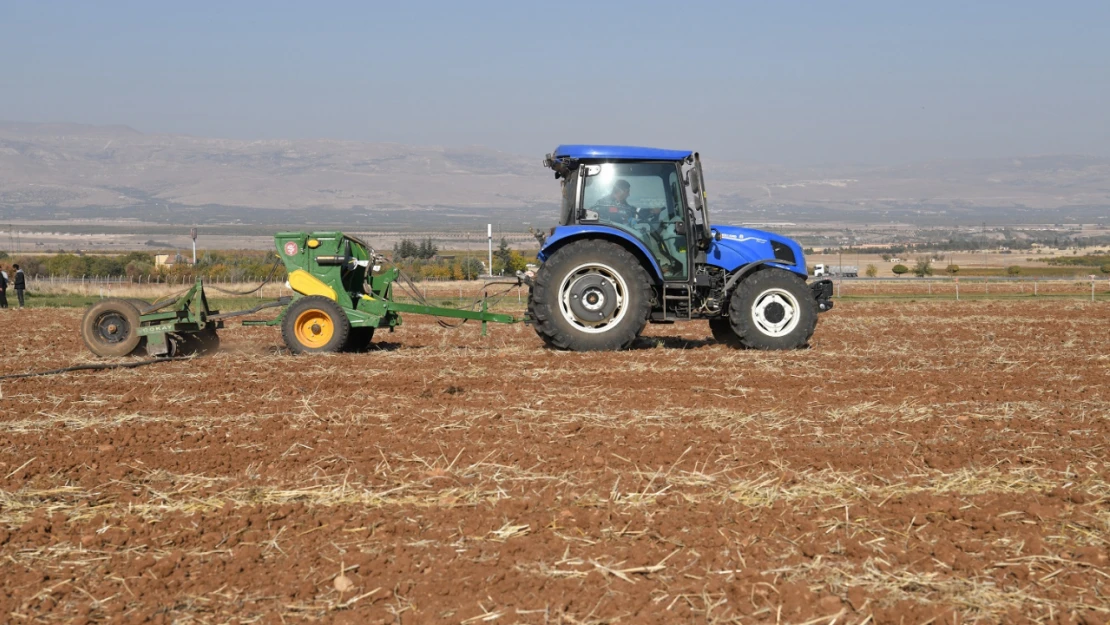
(314,328)
(775,312)
(593,298)
(112,328)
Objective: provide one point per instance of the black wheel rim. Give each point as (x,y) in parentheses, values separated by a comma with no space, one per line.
(112,327)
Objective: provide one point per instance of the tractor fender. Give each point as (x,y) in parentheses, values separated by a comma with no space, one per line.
(745,271)
(567,234)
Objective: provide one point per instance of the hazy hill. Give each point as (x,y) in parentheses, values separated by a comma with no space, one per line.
(66,165)
(70,166)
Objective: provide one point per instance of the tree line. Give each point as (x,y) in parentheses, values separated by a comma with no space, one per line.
(231,266)
(419,259)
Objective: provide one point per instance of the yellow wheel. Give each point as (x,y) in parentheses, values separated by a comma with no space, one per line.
(314,328)
(315,324)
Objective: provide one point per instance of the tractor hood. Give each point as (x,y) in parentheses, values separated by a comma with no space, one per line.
(739,246)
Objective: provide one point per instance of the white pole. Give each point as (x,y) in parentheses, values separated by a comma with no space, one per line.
(489,237)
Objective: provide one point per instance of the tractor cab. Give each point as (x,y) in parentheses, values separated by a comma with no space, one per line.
(638,192)
(635,235)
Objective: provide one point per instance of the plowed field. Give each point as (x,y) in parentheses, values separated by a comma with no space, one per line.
(924,462)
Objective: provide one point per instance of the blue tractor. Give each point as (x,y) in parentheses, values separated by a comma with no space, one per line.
(635,245)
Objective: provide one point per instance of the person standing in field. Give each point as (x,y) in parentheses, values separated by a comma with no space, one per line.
(20,284)
(3,288)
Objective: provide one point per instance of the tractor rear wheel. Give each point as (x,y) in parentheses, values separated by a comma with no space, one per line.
(531,314)
(721,329)
(773,309)
(315,324)
(591,295)
(110,328)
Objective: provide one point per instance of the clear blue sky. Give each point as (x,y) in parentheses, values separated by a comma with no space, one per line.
(786,82)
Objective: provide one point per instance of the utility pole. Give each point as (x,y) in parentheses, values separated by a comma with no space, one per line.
(467,254)
(193,233)
(489,238)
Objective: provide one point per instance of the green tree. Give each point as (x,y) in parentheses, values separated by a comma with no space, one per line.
(136,268)
(504,254)
(427,249)
(471,268)
(871,271)
(406,249)
(1105,268)
(517,262)
(105,265)
(67,265)
(952,270)
(1013,270)
(923,267)
(900,269)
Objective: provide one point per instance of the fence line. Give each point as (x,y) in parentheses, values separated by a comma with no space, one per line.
(971,287)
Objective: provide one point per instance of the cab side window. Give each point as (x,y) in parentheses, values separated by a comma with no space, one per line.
(641,199)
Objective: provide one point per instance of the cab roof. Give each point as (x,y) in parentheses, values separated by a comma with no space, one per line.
(625,152)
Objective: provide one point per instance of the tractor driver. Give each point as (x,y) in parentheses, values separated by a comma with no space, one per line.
(615,205)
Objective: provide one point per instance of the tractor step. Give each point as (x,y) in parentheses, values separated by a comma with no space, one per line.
(676,292)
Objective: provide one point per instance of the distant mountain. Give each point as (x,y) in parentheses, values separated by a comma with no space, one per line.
(984,187)
(71,166)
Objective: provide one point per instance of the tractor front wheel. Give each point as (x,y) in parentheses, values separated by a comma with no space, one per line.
(314,325)
(591,296)
(110,328)
(722,331)
(773,309)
